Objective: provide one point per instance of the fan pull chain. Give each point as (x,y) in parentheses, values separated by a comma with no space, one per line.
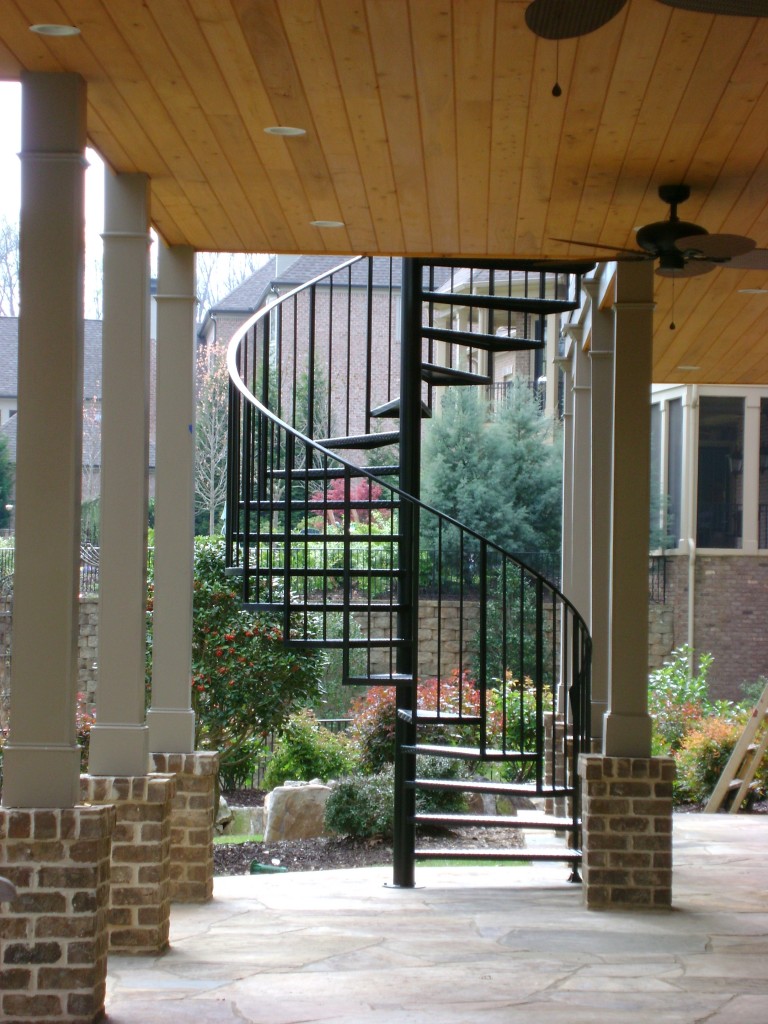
(672,324)
(556,90)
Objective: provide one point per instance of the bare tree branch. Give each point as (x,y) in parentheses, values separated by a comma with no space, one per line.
(211,434)
(219,273)
(9,268)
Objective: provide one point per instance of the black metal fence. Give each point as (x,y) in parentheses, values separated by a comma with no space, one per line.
(657,579)
(89,569)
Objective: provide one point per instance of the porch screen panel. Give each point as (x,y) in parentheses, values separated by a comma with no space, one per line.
(762,507)
(673,500)
(719,507)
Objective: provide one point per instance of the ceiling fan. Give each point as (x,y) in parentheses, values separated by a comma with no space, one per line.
(565,19)
(684,249)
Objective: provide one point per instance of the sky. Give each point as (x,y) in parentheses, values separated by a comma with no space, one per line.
(10,194)
(10,189)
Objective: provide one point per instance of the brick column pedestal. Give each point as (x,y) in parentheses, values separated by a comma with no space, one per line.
(139,902)
(627,831)
(54,933)
(192,819)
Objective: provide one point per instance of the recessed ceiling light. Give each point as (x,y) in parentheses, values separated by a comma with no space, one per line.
(684,366)
(55,30)
(753,291)
(284,129)
(327,223)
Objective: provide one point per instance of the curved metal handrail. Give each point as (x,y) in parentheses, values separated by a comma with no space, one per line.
(234,374)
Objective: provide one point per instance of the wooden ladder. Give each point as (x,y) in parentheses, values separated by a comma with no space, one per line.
(744,761)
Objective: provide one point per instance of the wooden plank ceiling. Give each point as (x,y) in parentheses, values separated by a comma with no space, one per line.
(431,128)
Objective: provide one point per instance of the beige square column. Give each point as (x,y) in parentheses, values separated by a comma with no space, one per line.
(627,722)
(55,853)
(120,738)
(601,359)
(171,719)
(626,793)
(41,759)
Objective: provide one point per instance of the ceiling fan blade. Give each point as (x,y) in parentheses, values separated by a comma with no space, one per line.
(715,247)
(756,259)
(743,8)
(565,19)
(693,268)
(612,248)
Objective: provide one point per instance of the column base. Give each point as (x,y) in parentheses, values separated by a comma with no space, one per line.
(139,902)
(192,818)
(627,831)
(54,954)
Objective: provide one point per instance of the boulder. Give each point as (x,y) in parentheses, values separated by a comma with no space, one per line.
(295,811)
(223,817)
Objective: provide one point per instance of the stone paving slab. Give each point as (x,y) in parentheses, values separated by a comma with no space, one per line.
(501,945)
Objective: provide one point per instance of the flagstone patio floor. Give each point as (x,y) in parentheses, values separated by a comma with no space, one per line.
(499,945)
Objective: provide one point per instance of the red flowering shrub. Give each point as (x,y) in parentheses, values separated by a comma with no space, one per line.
(703,753)
(374,717)
(358,490)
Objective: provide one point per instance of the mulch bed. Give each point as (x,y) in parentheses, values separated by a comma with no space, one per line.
(325,853)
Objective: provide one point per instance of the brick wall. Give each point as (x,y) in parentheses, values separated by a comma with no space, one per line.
(731,600)
(627,831)
(54,934)
(661,633)
(140,899)
(192,821)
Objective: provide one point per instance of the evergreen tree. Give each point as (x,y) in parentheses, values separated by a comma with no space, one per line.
(497,471)
(6,484)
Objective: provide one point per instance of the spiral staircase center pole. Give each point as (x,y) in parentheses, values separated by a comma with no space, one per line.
(408,614)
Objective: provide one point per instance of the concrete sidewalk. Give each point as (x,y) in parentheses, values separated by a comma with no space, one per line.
(507,945)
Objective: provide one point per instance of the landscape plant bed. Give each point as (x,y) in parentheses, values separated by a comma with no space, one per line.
(324,853)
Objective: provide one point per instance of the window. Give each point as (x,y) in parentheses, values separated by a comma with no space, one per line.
(762,507)
(674,471)
(721,472)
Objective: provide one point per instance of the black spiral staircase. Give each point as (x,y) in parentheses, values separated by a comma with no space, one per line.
(325,525)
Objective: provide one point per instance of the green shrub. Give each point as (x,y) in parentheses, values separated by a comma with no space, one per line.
(677,698)
(242,764)
(515,705)
(362,805)
(435,801)
(306,750)
(246,681)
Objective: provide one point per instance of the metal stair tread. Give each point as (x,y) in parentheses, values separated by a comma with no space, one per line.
(315,508)
(505,303)
(527,789)
(470,753)
(444,376)
(554,824)
(391,410)
(318,473)
(380,679)
(505,853)
(355,441)
(490,342)
(435,718)
(325,538)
